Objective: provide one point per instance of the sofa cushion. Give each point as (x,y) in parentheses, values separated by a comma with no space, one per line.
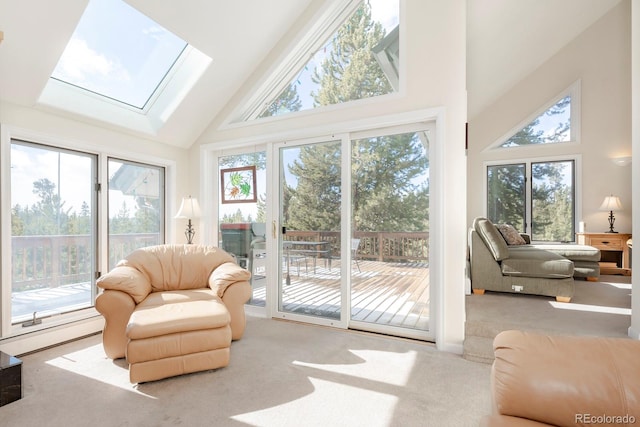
(572,252)
(527,261)
(510,234)
(491,238)
(172,312)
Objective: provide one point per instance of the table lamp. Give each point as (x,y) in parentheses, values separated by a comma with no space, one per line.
(189,209)
(610,204)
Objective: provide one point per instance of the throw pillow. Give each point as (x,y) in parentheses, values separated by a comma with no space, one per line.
(510,234)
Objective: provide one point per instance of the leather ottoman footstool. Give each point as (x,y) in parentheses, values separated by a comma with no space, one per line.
(167,339)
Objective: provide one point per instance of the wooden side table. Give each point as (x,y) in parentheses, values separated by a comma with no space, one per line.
(614,251)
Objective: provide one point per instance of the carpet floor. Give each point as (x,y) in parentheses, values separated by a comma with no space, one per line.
(600,308)
(281,374)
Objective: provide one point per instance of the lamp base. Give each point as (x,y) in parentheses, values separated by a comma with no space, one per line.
(189,233)
(612,219)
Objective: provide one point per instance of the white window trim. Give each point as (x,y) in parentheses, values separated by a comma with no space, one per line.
(575,92)
(576,158)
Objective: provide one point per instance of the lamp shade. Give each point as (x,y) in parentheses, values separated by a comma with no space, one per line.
(611,203)
(189,208)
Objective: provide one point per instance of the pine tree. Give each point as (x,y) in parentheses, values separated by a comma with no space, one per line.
(287,102)
(389,192)
(350,71)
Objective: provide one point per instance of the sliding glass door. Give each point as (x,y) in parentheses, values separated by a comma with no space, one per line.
(370,272)
(310,279)
(389,249)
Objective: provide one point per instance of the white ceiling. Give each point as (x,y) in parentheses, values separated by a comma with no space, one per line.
(506,38)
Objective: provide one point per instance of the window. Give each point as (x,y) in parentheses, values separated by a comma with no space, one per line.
(118,53)
(53,231)
(546,209)
(136,206)
(506,194)
(556,122)
(55,245)
(359,60)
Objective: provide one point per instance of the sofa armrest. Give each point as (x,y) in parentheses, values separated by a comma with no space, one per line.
(116,308)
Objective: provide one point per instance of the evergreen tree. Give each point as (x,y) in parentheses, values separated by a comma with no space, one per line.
(385,170)
(384,195)
(533,134)
(48,216)
(350,71)
(506,195)
(287,102)
(314,203)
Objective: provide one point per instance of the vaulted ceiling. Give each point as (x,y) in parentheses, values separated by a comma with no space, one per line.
(238,36)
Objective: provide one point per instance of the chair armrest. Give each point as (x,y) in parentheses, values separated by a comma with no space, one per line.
(116,308)
(234,299)
(226,275)
(126,279)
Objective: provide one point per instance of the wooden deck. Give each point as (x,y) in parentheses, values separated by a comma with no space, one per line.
(385,293)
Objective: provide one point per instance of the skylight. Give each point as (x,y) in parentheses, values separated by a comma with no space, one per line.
(119,53)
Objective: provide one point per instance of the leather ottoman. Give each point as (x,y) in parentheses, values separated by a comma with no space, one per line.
(177,332)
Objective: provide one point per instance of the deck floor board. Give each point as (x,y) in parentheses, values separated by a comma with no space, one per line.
(395,294)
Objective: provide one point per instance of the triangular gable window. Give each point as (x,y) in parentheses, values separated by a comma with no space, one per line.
(556,123)
(359,60)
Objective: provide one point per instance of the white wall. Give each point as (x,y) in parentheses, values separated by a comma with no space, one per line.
(433,40)
(600,58)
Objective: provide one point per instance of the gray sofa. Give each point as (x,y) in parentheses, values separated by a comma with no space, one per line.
(547,270)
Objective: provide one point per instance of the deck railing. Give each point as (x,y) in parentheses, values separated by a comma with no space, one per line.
(52,261)
(377,246)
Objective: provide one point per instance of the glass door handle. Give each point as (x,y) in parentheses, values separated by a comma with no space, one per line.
(273,229)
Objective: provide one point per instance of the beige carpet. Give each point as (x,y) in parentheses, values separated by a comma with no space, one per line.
(597,309)
(600,308)
(281,374)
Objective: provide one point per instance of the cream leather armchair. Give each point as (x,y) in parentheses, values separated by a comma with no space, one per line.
(173,309)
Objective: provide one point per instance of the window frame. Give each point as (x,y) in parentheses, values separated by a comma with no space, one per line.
(162,194)
(295,56)
(574,90)
(528,162)
(103,152)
